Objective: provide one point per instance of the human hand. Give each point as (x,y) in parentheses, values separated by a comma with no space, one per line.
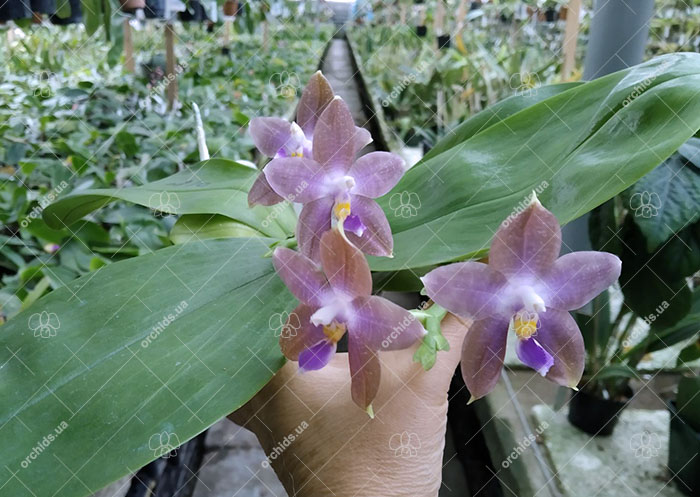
(320,443)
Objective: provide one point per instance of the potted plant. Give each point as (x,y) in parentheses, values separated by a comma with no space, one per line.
(684,436)
(653,227)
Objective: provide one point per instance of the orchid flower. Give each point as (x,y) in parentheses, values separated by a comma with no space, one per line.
(527,288)
(336,300)
(334,187)
(276,137)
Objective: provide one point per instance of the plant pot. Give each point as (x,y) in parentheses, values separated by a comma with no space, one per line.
(155,9)
(230,8)
(443,42)
(14,9)
(563,11)
(593,415)
(550,15)
(132,5)
(683,450)
(421,31)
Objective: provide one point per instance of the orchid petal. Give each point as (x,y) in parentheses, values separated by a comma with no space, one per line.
(261,193)
(298,333)
(376,238)
(376,173)
(345,266)
(532,354)
(301,275)
(468,289)
(560,336)
(365,369)
(383,325)
(297,178)
(316,356)
(483,351)
(314,220)
(528,243)
(576,278)
(362,138)
(333,144)
(314,99)
(269,134)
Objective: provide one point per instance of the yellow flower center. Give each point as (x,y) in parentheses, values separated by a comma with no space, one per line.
(342,210)
(334,331)
(298,154)
(525,324)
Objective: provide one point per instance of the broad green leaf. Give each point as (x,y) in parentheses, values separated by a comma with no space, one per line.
(688,400)
(578,148)
(615,371)
(667,199)
(494,114)
(194,227)
(216,186)
(92,15)
(132,361)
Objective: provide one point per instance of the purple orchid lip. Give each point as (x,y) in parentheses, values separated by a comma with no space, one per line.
(334,300)
(527,288)
(333,186)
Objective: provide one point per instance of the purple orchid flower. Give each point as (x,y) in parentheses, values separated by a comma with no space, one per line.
(525,287)
(337,300)
(333,186)
(276,137)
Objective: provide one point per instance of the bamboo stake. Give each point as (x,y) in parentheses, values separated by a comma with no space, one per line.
(170,64)
(227,32)
(573,13)
(128,47)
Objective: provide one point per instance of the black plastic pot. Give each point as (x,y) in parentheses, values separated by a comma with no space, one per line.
(421,31)
(43,6)
(195,12)
(443,42)
(14,9)
(550,15)
(683,450)
(593,415)
(155,9)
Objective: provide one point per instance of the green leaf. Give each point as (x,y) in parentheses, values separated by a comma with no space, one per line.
(216,186)
(194,227)
(690,353)
(615,371)
(688,401)
(494,114)
(580,148)
(92,15)
(666,200)
(63,9)
(652,287)
(166,343)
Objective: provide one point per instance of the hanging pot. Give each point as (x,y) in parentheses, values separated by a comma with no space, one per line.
(195,12)
(563,11)
(594,415)
(230,8)
(550,15)
(132,5)
(421,31)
